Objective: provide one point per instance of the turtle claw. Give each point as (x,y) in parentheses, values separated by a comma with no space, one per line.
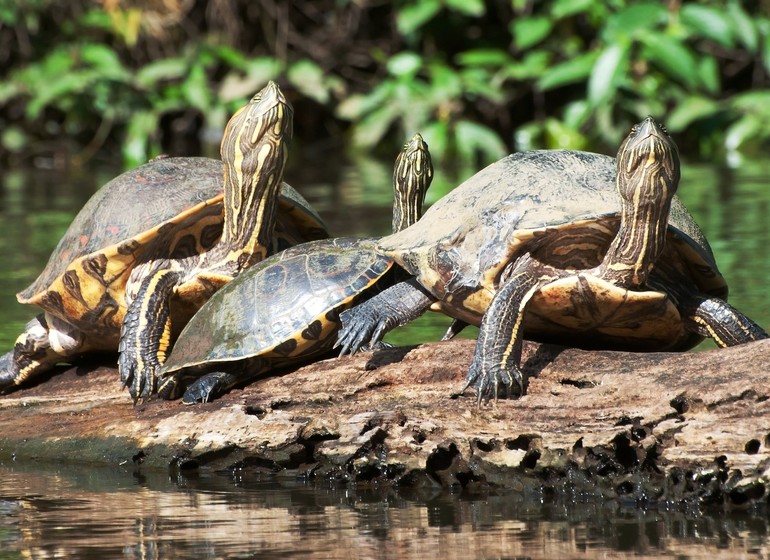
(494,382)
(361,330)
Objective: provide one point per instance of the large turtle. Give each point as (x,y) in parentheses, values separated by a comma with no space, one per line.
(285,309)
(167,207)
(560,246)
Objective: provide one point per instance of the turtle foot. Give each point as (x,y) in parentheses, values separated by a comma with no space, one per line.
(494,382)
(209,387)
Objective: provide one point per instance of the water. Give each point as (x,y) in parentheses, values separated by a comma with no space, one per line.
(59,511)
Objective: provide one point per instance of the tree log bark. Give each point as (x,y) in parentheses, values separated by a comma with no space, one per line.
(691,428)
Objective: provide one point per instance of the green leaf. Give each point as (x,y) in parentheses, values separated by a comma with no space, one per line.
(404,64)
(757,102)
(141,126)
(738,132)
(468,7)
(565,8)
(562,137)
(607,73)
(100,57)
(632,18)
(689,110)
(672,57)
(370,130)
(414,15)
(160,70)
(743,26)
(708,72)
(195,89)
(308,78)
(473,138)
(569,72)
(708,22)
(483,57)
(529,31)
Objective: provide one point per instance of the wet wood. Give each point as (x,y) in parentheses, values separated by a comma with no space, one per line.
(678,428)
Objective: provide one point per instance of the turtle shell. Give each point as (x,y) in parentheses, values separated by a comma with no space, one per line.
(563,207)
(85,278)
(284,307)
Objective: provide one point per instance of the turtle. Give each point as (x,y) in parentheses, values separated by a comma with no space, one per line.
(559,246)
(168,206)
(285,309)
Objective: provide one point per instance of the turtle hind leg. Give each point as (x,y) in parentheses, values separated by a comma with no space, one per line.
(210,386)
(717,319)
(31,355)
(366,323)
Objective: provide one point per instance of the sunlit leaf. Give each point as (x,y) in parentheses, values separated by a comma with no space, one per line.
(568,72)
(415,14)
(467,7)
(105,60)
(607,73)
(529,31)
(707,21)
(404,64)
(308,78)
(738,132)
(689,110)
(163,69)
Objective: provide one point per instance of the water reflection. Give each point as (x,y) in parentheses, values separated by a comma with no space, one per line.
(111,513)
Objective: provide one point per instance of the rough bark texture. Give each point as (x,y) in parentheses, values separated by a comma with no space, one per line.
(675,428)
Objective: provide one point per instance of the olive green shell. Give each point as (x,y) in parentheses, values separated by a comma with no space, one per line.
(560,205)
(84,280)
(283,307)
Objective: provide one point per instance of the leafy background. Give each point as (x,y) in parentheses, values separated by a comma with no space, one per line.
(479,78)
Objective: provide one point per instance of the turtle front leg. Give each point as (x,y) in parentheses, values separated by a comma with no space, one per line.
(368,322)
(146,333)
(717,319)
(495,370)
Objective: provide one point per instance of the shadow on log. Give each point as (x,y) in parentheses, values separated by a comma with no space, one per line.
(678,429)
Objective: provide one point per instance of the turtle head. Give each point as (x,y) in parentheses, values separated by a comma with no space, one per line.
(412,175)
(254,150)
(258,132)
(648,164)
(648,176)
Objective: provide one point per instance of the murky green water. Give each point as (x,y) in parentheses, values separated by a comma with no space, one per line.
(78,512)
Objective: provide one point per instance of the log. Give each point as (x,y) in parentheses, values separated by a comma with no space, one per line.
(659,428)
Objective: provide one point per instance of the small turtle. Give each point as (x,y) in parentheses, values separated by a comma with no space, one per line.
(285,309)
(167,208)
(540,245)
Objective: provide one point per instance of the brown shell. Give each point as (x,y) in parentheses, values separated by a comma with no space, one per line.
(560,205)
(85,278)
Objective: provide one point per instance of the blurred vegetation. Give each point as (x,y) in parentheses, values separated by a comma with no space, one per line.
(478,78)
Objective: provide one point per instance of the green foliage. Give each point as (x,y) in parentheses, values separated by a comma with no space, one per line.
(477,78)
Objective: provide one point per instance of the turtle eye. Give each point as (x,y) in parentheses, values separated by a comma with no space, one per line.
(634,130)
